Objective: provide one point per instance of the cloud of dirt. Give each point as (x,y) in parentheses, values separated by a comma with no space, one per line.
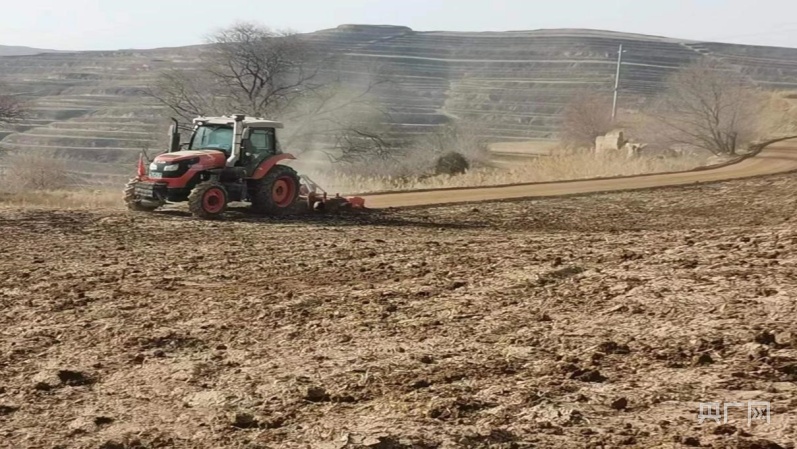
(395,159)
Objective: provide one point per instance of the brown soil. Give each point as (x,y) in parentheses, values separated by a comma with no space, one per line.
(594,321)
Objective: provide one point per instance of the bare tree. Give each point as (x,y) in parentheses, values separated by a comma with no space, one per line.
(11,109)
(35,171)
(248,68)
(586,116)
(706,106)
(362,144)
(256,71)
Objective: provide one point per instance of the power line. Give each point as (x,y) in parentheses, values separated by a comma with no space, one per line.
(617,81)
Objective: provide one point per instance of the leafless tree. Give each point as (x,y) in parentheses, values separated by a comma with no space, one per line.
(361,145)
(11,109)
(256,71)
(248,68)
(35,171)
(707,106)
(585,117)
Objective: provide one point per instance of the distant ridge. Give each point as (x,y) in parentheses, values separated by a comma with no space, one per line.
(17,50)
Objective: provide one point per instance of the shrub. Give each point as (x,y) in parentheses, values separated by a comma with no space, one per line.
(33,171)
(451,163)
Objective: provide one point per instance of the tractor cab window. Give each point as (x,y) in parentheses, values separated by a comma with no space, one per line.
(213,137)
(261,142)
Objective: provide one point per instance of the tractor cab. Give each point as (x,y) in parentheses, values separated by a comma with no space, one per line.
(245,141)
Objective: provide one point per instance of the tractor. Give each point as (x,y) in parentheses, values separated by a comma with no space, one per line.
(228,158)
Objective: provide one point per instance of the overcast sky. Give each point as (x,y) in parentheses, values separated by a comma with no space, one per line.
(113,24)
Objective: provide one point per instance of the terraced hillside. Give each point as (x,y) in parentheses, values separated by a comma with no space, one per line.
(91,106)
(17,50)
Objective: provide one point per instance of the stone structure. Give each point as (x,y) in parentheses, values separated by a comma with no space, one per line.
(615,142)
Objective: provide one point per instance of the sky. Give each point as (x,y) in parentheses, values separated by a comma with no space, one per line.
(118,24)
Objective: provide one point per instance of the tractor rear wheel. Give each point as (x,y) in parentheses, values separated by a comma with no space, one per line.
(208,200)
(277,193)
(132,201)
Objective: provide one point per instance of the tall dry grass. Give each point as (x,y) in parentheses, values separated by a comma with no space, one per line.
(541,169)
(40,179)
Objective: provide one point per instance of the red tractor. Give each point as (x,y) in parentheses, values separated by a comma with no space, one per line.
(231,158)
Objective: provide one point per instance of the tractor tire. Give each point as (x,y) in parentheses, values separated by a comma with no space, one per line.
(132,202)
(208,200)
(277,193)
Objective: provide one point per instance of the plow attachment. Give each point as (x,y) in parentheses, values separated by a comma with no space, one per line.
(317,199)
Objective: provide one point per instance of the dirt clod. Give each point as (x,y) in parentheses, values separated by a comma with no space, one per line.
(455,285)
(789,370)
(111,444)
(42,386)
(593,376)
(610,347)
(417,385)
(243,420)
(765,338)
(725,429)
(758,444)
(103,421)
(317,394)
(619,404)
(689,441)
(7,409)
(74,378)
(703,360)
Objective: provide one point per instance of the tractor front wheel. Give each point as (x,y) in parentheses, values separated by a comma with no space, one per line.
(208,200)
(132,201)
(277,193)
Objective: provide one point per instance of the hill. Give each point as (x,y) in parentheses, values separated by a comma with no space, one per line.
(16,50)
(91,105)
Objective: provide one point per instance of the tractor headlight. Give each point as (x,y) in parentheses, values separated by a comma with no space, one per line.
(173,167)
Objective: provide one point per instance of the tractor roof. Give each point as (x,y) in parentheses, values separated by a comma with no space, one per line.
(249,122)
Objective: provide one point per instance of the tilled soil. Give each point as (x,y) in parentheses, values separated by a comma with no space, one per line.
(593,321)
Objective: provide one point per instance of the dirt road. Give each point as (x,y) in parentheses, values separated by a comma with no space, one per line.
(775,159)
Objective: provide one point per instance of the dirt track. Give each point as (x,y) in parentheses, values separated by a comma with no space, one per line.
(597,321)
(778,158)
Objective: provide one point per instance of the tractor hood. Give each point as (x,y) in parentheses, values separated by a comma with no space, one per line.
(208,158)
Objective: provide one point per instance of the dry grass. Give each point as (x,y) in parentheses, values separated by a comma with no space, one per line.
(34,179)
(542,169)
(35,171)
(65,199)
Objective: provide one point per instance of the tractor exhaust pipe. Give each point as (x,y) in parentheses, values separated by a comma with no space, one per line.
(174,136)
(238,131)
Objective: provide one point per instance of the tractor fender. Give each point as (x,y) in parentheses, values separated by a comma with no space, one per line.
(268,164)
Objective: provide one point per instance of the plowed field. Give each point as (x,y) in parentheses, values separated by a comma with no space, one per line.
(593,321)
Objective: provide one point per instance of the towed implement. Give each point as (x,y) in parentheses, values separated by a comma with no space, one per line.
(228,159)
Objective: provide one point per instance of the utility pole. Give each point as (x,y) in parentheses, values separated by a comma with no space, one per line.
(617,81)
